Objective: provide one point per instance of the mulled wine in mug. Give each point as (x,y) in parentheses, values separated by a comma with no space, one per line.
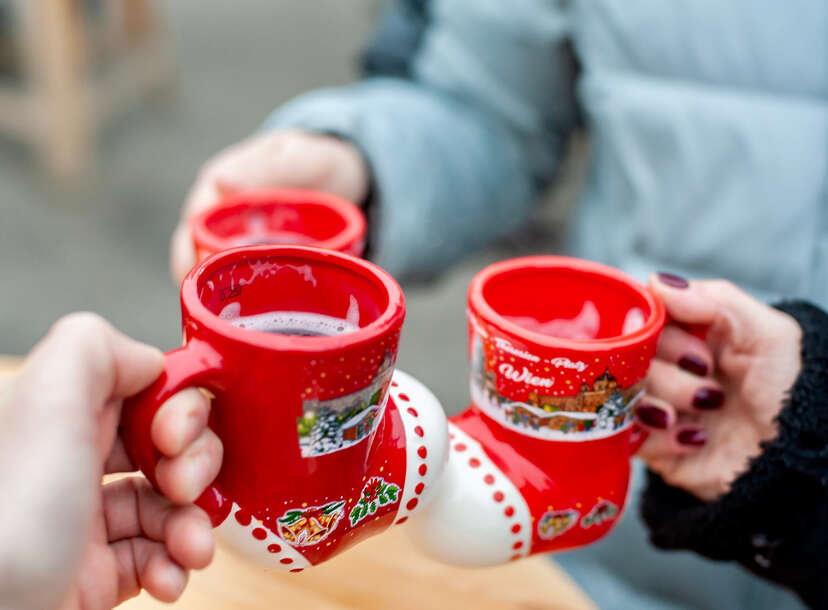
(540,461)
(279,216)
(324,443)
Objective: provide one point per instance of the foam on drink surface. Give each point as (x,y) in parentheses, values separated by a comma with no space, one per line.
(299,323)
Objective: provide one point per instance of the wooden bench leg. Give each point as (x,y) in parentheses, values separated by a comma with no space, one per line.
(56,58)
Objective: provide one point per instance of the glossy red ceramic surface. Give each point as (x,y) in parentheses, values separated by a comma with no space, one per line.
(559,350)
(284,216)
(271,392)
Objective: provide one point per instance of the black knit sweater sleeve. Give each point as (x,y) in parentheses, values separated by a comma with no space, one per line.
(774,520)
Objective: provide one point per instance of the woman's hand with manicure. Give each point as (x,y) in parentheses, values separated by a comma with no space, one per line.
(710,402)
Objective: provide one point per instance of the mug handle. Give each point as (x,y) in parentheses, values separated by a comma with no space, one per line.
(639,434)
(637,437)
(196,364)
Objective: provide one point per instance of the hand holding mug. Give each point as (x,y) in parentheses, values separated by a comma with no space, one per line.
(68,540)
(286,158)
(711,401)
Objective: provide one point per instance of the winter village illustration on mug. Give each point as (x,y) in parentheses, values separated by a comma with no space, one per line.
(330,425)
(599,409)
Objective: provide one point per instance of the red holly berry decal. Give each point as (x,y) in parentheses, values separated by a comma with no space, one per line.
(600,513)
(377,492)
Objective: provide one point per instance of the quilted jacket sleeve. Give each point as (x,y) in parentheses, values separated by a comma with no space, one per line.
(462,122)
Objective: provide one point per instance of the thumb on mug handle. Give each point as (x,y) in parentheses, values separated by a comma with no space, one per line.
(196,364)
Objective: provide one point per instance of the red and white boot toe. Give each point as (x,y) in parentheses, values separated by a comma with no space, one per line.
(426,442)
(505,495)
(478,516)
(359,491)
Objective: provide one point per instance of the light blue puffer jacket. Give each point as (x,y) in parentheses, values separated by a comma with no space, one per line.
(710,158)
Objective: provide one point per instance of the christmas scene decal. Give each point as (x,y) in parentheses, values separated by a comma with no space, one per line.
(330,425)
(311,525)
(602,512)
(377,492)
(554,523)
(555,398)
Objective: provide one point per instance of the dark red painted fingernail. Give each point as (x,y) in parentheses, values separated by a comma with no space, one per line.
(654,417)
(692,437)
(693,364)
(675,281)
(708,398)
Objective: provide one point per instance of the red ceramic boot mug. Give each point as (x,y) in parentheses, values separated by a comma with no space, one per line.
(540,461)
(297,345)
(279,216)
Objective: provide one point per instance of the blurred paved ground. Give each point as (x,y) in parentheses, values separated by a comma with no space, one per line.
(103,246)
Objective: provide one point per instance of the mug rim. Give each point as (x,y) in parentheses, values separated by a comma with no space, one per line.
(355,224)
(391,317)
(477,303)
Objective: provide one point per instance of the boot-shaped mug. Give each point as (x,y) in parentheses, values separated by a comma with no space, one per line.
(301,217)
(324,444)
(540,460)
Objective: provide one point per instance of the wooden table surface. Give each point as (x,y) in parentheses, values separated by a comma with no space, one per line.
(384,572)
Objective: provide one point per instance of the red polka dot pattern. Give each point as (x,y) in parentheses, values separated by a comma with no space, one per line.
(498,495)
(422,453)
(243,517)
(260,532)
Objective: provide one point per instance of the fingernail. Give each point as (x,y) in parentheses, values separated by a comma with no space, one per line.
(675,281)
(693,364)
(708,398)
(693,437)
(654,417)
